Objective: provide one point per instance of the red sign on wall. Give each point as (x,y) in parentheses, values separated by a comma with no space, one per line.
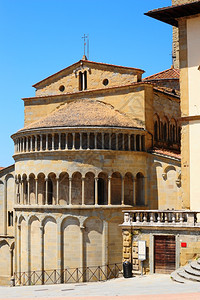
(183,245)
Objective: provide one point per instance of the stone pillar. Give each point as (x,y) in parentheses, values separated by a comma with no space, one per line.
(83,190)
(19,248)
(59,141)
(36,190)
(140,143)
(40,142)
(31,145)
(81,141)
(70,190)
(46,191)
(57,191)
(109,190)
(36,143)
(122,195)
(96,190)
(29,252)
(59,251)
(73,140)
(53,142)
(23,146)
(66,141)
(42,252)
(28,191)
(5,208)
(95,140)
(47,142)
(82,258)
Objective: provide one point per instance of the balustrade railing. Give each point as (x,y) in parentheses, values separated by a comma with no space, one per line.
(69,275)
(162,218)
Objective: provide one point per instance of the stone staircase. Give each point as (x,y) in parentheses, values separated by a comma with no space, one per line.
(189,272)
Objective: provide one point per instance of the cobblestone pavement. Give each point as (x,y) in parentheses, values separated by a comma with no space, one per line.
(141,288)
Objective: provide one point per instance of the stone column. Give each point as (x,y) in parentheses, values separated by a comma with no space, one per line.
(40,142)
(23,146)
(95,140)
(140,142)
(47,142)
(57,191)
(29,252)
(36,190)
(66,141)
(53,142)
(70,190)
(5,208)
(19,248)
(36,143)
(134,142)
(96,190)
(82,258)
(31,143)
(81,141)
(73,140)
(122,195)
(109,190)
(59,251)
(59,141)
(83,190)
(42,252)
(28,191)
(46,191)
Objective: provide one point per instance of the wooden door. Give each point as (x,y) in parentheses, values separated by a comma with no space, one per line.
(164,254)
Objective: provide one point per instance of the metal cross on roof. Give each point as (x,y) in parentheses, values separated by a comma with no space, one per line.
(86,37)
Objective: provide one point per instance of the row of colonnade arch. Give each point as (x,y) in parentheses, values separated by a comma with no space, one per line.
(79,189)
(166,131)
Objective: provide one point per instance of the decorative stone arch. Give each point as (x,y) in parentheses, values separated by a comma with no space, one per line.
(32,218)
(51,188)
(41,188)
(47,218)
(8,176)
(21,218)
(166,170)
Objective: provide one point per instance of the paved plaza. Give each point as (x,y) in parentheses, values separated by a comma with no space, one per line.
(147,287)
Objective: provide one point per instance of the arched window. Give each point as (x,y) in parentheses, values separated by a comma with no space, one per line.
(50,192)
(82,81)
(101,191)
(140,192)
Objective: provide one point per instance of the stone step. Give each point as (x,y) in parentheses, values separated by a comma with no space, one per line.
(182,273)
(195,265)
(190,270)
(175,277)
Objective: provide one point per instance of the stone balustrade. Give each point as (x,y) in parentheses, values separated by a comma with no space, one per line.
(154,218)
(79,140)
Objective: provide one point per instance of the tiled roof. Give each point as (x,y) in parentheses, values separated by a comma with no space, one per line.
(1,168)
(171,73)
(167,152)
(172,92)
(85,113)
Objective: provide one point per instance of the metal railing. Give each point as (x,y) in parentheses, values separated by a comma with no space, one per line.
(69,275)
(184,218)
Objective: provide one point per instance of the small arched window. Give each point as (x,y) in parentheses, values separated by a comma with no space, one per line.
(101,191)
(82,81)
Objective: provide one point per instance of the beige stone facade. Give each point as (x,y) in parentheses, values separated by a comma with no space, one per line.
(93,145)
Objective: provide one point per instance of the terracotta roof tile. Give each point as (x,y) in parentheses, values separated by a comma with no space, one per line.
(167,152)
(171,73)
(1,168)
(85,113)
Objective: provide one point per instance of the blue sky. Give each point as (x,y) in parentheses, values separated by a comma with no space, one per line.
(40,37)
